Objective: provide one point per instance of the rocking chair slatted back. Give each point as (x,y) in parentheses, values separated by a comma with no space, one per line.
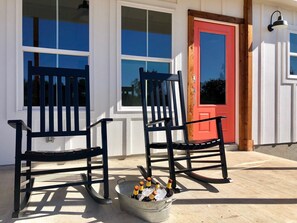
(163,105)
(55,90)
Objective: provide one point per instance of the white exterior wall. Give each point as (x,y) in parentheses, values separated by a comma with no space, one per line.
(125,133)
(274,94)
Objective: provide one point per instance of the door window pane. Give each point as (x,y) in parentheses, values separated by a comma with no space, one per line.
(212,68)
(134,31)
(159,34)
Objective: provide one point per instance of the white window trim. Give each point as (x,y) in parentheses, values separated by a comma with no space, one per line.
(289,54)
(20,49)
(170,10)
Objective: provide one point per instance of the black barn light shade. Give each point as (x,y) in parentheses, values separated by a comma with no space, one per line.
(278,24)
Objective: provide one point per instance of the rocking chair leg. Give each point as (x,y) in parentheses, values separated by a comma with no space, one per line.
(188,155)
(17,172)
(105,174)
(148,156)
(105,160)
(171,167)
(223,161)
(222,148)
(17,189)
(96,197)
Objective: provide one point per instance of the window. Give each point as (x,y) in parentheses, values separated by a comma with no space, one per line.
(55,34)
(146,41)
(293,54)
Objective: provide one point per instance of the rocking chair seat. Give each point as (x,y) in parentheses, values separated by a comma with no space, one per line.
(56,156)
(191,145)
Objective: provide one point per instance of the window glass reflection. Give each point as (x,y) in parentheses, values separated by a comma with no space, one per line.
(159,36)
(52,60)
(130,82)
(73,26)
(293,42)
(293,65)
(134,31)
(158,67)
(42,24)
(212,68)
(39,23)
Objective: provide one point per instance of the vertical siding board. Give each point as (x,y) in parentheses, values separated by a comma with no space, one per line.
(256,69)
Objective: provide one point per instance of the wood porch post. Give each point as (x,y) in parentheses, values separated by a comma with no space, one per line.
(245,79)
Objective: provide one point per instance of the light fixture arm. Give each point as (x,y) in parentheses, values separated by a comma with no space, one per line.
(279,22)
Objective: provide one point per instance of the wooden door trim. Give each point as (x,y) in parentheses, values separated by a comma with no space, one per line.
(245,69)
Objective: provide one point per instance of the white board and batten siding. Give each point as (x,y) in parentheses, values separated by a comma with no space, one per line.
(274,92)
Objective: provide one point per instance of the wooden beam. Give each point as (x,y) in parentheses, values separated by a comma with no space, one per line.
(245,79)
(215,17)
(191,61)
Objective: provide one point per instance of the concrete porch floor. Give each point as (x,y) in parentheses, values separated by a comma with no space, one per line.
(264,189)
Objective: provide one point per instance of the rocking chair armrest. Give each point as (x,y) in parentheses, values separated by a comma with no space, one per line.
(161,120)
(100,121)
(205,120)
(15,123)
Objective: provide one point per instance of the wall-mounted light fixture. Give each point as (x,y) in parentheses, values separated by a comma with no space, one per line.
(279,23)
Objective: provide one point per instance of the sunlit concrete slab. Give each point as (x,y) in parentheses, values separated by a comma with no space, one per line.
(264,189)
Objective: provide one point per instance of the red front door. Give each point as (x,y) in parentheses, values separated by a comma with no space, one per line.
(214,79)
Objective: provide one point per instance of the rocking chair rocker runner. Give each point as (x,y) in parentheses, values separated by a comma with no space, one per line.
(162,96)
(62,96)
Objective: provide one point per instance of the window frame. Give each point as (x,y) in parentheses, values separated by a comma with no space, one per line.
(120,57)
(289,54)
(21,49)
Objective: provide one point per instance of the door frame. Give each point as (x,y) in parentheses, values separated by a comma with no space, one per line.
(243,77)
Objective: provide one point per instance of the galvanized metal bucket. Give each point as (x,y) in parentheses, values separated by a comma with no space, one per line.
(154,211)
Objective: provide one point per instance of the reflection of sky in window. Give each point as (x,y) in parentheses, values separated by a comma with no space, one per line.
(46,32)
(50,60)
(293,65)
(212,56)
(158,67)
(72,36)
(293,42)
(133,43)
(146,33)
(159,45)
(130,71)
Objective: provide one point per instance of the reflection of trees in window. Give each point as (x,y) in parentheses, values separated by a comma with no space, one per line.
(131,94)
(36,92)
(213,92)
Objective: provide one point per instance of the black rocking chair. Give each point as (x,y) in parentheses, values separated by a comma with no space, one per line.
(61,101)
(163,109)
